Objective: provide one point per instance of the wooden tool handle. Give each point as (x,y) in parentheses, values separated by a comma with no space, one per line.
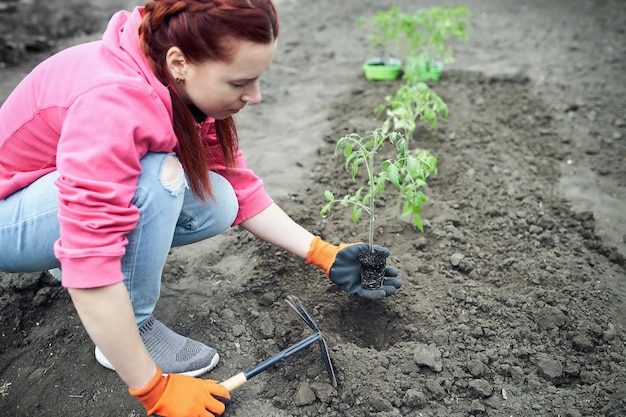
(234,382)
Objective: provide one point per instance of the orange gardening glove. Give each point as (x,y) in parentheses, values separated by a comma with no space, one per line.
(177,395)
(342,267)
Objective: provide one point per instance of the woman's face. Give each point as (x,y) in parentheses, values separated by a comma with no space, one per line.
(221,89)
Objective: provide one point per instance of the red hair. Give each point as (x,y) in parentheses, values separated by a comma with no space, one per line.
(203,30)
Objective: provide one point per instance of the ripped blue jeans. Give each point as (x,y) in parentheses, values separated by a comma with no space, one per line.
(169,215)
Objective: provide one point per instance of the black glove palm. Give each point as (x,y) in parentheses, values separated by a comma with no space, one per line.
(346,273)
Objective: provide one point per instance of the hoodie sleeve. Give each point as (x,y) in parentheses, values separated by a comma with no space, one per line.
(248,187)
(105,133)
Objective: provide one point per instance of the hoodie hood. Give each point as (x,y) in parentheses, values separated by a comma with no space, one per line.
(121,38)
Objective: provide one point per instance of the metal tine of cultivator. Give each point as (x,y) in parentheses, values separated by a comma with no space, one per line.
(327,363)
(295,303)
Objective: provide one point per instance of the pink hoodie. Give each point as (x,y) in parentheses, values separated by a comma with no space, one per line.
(91,112)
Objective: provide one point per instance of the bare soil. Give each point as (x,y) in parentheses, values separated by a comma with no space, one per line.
(514,297)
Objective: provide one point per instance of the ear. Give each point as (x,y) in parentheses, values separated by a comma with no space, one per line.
(176,63)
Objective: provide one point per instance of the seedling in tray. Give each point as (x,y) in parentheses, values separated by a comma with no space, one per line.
(424,37)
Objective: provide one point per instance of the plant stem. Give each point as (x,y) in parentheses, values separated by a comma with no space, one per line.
(369,166)
(372,190)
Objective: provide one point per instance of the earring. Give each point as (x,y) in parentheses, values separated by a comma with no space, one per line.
(179,79)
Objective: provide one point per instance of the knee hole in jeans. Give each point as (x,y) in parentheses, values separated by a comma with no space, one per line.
(172,175)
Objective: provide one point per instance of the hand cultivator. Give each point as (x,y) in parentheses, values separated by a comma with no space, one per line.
(241,378)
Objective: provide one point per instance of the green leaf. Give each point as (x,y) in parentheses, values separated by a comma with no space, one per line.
(419,199)
(394,175)
(351,160)
(325,210)
(417,221)
(357,195)
(356,214)
(355,168)
(413,166)
(420,183)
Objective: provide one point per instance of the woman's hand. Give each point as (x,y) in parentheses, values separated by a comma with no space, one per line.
(342,266)
(182,396)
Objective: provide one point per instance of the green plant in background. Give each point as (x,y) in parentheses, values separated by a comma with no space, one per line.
(429,31)
(423,36)
(407,172)
(387,29)
(411,103)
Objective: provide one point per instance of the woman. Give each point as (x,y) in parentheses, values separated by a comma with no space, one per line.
(114,151)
